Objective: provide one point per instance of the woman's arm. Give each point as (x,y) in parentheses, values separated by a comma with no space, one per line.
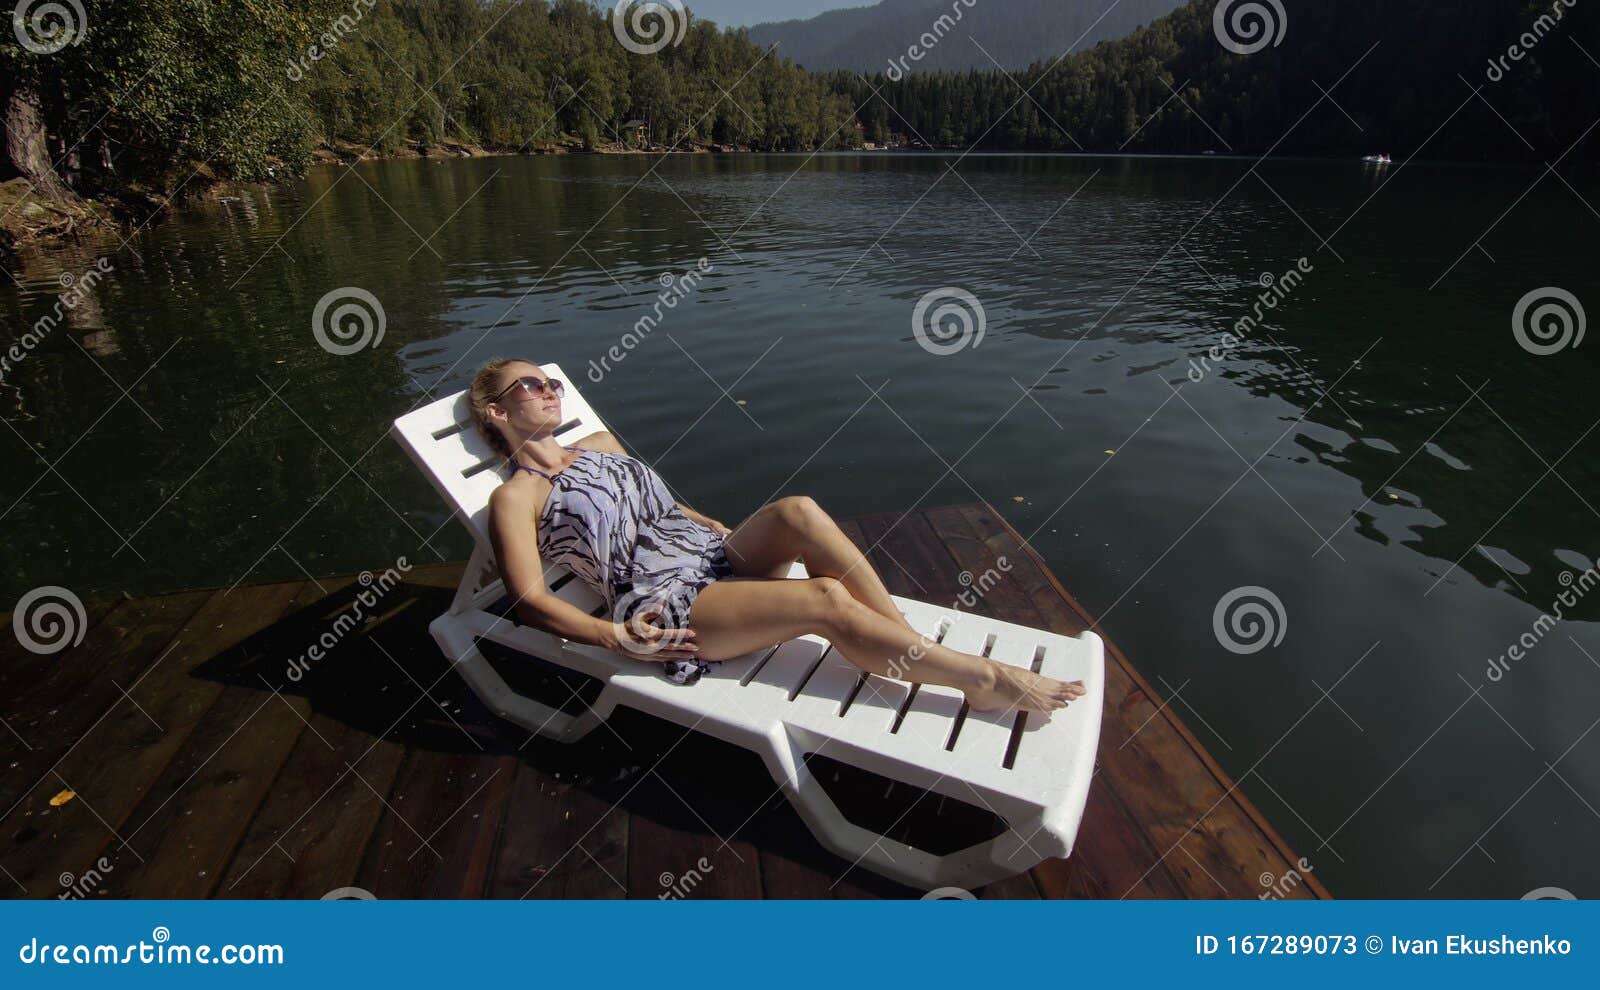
(609,443)
(514,536)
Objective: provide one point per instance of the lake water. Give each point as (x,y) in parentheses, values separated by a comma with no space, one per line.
(1380,454)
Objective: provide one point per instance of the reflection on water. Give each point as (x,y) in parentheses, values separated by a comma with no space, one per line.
(1377,450)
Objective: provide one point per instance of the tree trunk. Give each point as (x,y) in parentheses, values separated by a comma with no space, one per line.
(27,150)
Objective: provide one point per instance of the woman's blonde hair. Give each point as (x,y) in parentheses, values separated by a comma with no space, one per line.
(484,386)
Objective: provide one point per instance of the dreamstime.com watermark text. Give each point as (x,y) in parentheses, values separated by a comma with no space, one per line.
(929,40)
(75,290)
(329,40)
(675,289)
(1274,290)
(374,588)
(1520,49)
(1577,586)
(159,951)
(976,587)
(676,888)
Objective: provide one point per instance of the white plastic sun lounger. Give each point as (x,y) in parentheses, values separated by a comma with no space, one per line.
(799,698)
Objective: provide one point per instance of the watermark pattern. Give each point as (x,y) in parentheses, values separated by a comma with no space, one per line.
(676,888)
(1577,587)
(1249,619)
(976,588)
(929,40)
(675,288)
(1277,888)
(350,894)
(74,290)
(950,894)
(76,888)
(1548,321)
(645,27)
(45,27)
(329,41)
(374,588)
(49,620)
(348,320)
(1500,67)
(1274,290)
(634,613)
(1249,27)
(1549,894)
(948,320)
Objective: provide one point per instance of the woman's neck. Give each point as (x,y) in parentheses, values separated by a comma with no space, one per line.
(543,453)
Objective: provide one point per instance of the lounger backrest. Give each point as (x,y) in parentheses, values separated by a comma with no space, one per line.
(447,446)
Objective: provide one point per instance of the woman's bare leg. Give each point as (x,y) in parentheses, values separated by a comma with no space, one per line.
(736,616)
(797,528)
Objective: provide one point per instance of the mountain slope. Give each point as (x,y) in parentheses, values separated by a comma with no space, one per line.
(1015,32)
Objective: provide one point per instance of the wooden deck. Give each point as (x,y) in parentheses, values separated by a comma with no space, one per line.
(200,769)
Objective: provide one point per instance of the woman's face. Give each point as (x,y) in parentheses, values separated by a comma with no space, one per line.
(526,412)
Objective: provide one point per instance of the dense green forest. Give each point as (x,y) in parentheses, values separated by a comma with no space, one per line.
(1406,67)
(146,91)
(147,97)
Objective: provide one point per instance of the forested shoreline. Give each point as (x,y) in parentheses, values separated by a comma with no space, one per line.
(147,103)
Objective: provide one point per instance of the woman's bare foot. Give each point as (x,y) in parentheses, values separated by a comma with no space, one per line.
(1022,690)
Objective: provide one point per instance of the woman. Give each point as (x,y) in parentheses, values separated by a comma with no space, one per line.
(683,589)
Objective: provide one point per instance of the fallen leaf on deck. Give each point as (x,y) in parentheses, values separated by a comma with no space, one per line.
(61,799)
(1016,498)
(1111,453)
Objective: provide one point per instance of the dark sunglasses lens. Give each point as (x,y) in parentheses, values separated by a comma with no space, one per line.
(557,388)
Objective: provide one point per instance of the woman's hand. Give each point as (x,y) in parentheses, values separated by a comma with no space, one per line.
(640,638)
(718,528)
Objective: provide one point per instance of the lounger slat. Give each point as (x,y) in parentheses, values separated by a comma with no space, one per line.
(933,713)
(832,683)
(790,665)
(880,699)
(438,417)
(986,736)
(1066,660)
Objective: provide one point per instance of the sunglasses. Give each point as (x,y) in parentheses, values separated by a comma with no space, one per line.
(533,387)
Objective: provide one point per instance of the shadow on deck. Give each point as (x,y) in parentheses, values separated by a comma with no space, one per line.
(201,766)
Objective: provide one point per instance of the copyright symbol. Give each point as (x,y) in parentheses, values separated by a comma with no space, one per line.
(1374,944)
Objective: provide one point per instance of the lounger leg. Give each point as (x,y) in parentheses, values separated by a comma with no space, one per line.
(461,650)
(591,717)
(1004,856)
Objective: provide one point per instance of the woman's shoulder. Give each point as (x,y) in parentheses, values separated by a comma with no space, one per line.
(520,492)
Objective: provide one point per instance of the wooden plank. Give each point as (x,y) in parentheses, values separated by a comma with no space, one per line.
(1209,845)
(688,812)
(911,558)
(1113,857)
(121,757)
(558,841)
(309,835)
(22,670)
(311,832)
(437,836)
(52,702)
(199,812)
(679,862)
